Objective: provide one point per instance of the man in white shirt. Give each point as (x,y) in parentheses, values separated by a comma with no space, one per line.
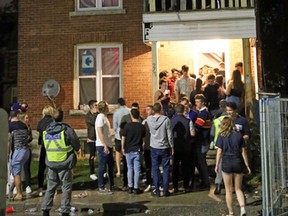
(104,148)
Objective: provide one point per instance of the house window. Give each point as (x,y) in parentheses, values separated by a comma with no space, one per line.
(98,4)
(99,70)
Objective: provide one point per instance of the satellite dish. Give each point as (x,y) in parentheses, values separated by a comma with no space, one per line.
(51,89)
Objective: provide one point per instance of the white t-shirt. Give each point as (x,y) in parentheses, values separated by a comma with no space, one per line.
(102,121)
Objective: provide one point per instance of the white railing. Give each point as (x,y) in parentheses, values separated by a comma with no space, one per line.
(188,5)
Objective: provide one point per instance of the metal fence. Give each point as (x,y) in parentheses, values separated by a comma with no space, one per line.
(274,154)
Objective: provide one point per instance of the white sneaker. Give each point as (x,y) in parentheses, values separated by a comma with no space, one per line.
(28,190)
(14,191)
(93,177)
(105,175)
(40,192)
(243,211)
(148,188)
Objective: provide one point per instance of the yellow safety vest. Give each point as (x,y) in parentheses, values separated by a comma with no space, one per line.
(56,149)
(217,127)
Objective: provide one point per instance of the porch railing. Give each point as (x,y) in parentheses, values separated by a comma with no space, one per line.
(188,5)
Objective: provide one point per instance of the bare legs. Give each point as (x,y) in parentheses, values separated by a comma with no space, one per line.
(17,180)
(228,181)
(118,163)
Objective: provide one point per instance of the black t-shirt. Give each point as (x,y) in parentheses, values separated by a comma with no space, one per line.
(211,94)
(134,132)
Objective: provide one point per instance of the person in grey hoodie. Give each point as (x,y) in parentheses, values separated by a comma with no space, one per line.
(161,143)
(61,144)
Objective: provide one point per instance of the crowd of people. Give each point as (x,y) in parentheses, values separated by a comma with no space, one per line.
(190,116)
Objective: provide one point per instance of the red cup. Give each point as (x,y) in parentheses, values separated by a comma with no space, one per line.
(9,209)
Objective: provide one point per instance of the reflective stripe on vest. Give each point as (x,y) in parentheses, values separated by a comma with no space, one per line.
(56,149)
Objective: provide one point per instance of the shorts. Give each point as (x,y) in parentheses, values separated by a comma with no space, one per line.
(232,165)
(20,156)
(117,145)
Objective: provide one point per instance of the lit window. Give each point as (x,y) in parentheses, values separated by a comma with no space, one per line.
(99,70)
(98,4)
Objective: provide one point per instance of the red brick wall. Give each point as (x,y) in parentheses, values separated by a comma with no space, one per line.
(47,35)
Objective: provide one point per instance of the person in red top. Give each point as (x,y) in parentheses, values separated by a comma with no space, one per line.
(171,82)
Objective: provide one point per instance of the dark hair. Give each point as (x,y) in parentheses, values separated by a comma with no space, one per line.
(219,79)
(91,102)
(193,75)
(174,69)
(185,98)
(211,76)
(199,84)
(14,113)
(223,103)
(200,97)
(157,107)
(135,113)
(135,104)
(238,64)
(163,74)
(237,82)
(121,101)
(59,115)
(161,82)
(185,68)
(179,108)
(232,105)
(150,106)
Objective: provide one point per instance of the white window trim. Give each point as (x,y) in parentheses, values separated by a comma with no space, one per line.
(99,76)
(98,6)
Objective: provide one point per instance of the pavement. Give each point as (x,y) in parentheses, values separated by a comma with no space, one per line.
(198,203)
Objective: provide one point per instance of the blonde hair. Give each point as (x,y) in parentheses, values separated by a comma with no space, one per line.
(227,126)
(102,105)
(48,111)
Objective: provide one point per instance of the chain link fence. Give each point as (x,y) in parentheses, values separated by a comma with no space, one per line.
(274,153)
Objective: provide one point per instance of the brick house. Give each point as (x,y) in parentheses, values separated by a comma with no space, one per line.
(111,48)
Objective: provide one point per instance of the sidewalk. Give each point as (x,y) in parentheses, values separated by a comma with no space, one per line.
(121,203)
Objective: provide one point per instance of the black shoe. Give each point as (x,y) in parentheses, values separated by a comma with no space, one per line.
(65,214)
(130,190)
(46,213)
(155,194)
(217,189)
(166,194)
(137,191)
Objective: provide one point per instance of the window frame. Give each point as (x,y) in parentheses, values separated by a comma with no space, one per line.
(99,76)
(98,6)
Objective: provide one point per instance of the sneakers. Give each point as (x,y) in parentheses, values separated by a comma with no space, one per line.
(217,189)
(105,175)
(243,211)
(130,190)
(40,192)
(28,190)
(93,177)
(137,191)
(14,191)
(166,194)
(105,191)
(148,188)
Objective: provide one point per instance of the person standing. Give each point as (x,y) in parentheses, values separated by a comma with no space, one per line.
(20,138)
(91,135)
(211,94)
(104,148)
(184,85)
(61,144)
(202,126)
(47,113)
(162,96)
(147,152)
(132,140)
(161,143)
(171,82)
(117,116)
(231,148)
(182,130)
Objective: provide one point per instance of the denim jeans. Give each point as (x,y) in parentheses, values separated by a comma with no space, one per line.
(104,159)
(134,165)
(160,156)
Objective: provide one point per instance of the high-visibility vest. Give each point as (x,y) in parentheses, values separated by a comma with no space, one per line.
(217,126)
(56,149)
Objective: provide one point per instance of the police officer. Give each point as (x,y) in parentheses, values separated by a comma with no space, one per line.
(61,144)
